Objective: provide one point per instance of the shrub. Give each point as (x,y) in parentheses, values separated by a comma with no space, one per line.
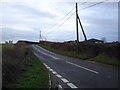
(14,59)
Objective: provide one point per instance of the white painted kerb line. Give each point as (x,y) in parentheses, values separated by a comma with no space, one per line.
(54,72)
(59,76)
(83,67)
(71,85)
(51,70)
(64,80)
(47,67)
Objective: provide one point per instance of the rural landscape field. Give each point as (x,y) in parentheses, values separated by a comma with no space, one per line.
(58,45)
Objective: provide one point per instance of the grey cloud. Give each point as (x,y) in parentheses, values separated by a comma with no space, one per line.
(103,23)
(30,10)
(15,35)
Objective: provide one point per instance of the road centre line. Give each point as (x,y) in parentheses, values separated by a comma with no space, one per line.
(59,76)
(53,56)
(83,67)
(47,54)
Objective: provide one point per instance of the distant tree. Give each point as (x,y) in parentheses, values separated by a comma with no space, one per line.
(6,42)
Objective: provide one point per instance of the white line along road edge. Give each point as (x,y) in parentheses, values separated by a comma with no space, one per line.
(59,76)
(71,85)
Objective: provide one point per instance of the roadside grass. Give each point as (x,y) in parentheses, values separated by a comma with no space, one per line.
(106,60)
(20,69)
(7,44)
(99,58)
(35,76)
(71,54)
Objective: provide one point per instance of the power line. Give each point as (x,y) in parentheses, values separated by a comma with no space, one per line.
(68,12)
(62,22)
(62,18)
(66,19)
(91,6)
(82,3)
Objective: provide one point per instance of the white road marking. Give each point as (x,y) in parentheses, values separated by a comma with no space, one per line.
(43,53)
(46,65)
(50,69)
(53,56)
(54,72)
(59,76)
(64,80)
(71,85)
(47,54)
(60,87)
(83,67)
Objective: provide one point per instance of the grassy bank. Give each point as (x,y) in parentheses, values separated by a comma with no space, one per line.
(71,54)
(20,69)
(106,60)
(35,76)
(99,58)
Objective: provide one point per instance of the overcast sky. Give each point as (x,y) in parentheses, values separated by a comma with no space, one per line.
(24,20)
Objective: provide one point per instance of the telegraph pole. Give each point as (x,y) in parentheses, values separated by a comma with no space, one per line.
(40,36)
(77,23)
(82,28)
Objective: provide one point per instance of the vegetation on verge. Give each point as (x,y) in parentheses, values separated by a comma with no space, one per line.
(98,58)
(35,76)
(72,54)
(20,69)
(106,60)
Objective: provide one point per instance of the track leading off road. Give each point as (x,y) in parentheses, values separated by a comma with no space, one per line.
(76,73)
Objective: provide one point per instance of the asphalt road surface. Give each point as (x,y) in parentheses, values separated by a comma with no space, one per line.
(76,73)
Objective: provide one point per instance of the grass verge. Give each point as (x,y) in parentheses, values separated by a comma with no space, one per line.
(100,58)
(71,54)
(106,60)
(35,76)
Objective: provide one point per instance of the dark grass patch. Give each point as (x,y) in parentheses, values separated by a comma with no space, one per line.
(99,58)
(35,76)
(15,59)
(71,54)
(106,60)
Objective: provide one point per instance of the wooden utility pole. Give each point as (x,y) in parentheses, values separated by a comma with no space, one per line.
(77,23)
(82,28)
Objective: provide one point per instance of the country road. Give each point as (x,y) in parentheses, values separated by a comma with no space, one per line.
(76,73)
